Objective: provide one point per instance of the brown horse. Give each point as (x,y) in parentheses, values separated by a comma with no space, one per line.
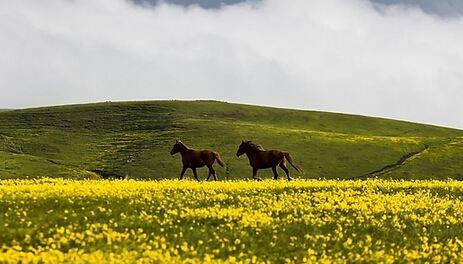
(196,159)
(264,159)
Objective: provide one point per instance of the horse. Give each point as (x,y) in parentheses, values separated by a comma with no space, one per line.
(196,159)
(259,158)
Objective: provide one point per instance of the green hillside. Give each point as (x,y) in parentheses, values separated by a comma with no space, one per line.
(134,139)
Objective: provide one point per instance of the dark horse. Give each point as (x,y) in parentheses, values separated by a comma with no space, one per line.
(264,159)
(196,159)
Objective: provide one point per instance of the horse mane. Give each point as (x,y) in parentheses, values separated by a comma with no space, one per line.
(183,144)
(255,146)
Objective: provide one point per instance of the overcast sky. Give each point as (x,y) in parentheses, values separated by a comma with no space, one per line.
(437,7)
(383,58)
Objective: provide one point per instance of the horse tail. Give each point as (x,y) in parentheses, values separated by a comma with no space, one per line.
(219,160)
(290,160)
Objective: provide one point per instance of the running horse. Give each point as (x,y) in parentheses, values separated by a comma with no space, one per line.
(259,158)
(196,159)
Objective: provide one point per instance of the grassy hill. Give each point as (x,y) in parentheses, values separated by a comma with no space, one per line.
(134,138)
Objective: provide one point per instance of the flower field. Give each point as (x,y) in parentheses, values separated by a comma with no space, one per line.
(62,221)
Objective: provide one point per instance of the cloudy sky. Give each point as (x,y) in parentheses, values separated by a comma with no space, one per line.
(392,58)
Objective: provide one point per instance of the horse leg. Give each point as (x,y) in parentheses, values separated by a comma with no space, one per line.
(283,166)
(214,174)
(182,173)
(275,173)
(211,168)
(195,174)
(211,172)
(254,174)
(209,175)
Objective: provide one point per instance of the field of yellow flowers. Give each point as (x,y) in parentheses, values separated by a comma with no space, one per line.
(62,221)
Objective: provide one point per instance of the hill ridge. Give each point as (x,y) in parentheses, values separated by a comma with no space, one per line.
(134,138)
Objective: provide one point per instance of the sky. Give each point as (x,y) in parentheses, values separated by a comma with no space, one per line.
(398,59)
(437,7)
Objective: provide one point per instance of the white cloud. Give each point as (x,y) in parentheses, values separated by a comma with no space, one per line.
(334,55)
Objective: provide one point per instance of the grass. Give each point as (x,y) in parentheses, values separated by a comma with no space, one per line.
(304,221)
(134,139)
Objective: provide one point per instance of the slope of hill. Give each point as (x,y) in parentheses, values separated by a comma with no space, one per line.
(134,139)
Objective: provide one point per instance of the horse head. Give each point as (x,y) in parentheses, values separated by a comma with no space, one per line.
(177,147)
(243,148)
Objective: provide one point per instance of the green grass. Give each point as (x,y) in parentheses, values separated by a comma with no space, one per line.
(134,139)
